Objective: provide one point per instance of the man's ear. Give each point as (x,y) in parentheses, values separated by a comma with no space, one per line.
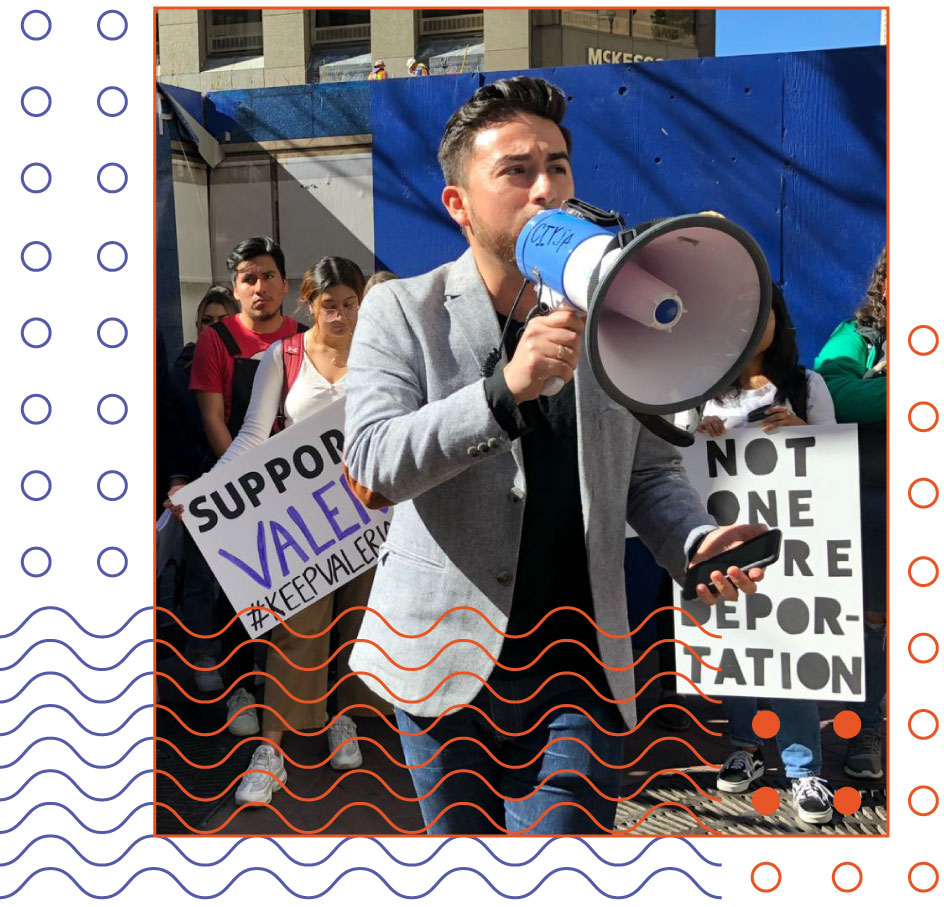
(455,201)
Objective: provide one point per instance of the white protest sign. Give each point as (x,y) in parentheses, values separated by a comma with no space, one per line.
(800,636)
(279,526)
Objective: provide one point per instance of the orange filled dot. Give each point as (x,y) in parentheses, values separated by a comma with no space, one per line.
(766,724)
(847,724)
(766,800)
(846,800)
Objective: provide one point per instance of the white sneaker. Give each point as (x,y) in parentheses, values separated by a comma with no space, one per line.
(207,681)
(813,799)
(349,755)
(740,770)
(245,724)
(257,787)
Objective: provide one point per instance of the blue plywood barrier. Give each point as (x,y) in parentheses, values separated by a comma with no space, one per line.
(791,146)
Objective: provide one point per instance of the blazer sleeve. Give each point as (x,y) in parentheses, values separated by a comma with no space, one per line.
(399,444)
(663,507)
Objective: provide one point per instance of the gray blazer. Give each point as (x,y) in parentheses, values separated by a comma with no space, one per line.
(420,432)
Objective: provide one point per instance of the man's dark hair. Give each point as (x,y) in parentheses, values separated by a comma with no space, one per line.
(500,102)
(253,248)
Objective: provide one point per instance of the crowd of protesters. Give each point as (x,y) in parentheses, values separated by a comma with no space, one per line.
(254,369)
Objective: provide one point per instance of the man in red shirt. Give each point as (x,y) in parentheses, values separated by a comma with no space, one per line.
(224,365)
(221,378)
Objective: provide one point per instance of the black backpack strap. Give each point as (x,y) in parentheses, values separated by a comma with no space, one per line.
(232,347)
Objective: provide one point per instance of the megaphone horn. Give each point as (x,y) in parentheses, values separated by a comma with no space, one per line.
(675,308)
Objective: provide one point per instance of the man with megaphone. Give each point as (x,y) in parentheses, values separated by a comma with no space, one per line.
(498,623)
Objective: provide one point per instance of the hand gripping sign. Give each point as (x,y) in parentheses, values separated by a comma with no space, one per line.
(801,635)
(280,526)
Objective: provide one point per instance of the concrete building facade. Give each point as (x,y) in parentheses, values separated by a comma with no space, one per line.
(220,50)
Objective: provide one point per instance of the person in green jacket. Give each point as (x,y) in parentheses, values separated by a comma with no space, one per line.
(854,365)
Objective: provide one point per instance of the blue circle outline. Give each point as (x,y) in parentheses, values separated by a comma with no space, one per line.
(35,242)
(98,255)
(30,113)
(26,34)
(35,472)
(23,409)
(98,409)
(98,561)
(35,346)
(111,472)
(23,561)
(124,19)
(102,110)
(98,177)
(23,177)
(98,333)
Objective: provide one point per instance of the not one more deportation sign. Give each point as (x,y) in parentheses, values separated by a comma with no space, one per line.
(800,636)
(279,526)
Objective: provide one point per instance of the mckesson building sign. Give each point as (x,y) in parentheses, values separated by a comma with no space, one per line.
(599,55)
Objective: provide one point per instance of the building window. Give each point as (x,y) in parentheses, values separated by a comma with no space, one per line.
(609,21)
(344,26)
(451,21)
(234,32)
(677,26)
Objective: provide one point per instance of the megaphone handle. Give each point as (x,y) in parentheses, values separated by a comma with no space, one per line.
(552,386)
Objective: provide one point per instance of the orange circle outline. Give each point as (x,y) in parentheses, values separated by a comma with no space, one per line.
(924,661)
(937,493)
(780,877)
(933,425)
(937,800)
(854,887)
(937,878)
(911,334)
(937,724)
(923,557)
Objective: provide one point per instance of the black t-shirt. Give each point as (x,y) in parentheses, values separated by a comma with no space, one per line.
(552,560)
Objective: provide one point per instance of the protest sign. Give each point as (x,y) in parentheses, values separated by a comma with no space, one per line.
(279,526)
(801,635)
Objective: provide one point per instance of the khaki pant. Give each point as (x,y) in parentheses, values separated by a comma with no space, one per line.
(307,653)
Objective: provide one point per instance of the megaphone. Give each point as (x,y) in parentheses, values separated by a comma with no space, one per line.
(675,308)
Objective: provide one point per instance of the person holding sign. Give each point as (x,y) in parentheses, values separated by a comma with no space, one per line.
(774,391)
(298,376)
(501,631)
(855,367)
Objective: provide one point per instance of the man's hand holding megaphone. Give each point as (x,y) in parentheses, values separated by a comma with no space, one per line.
(549,348)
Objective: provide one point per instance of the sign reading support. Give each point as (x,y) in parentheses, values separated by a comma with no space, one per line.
(279,526)
(801,635)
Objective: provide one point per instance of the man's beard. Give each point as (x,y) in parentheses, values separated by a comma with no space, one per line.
(263,316)
(500,244)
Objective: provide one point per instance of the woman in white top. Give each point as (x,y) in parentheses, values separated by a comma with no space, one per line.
(781,392)
(331,291)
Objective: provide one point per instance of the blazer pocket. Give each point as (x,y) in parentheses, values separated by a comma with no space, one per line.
(410,557)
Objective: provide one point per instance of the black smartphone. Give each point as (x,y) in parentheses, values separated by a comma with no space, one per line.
(758,552)
(755,415)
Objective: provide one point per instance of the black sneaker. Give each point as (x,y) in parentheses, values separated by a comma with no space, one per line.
(671,719)
(740,769)
(813,800)
(864,755)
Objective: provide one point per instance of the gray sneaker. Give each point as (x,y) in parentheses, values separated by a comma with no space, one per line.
(342,743)
(864,755)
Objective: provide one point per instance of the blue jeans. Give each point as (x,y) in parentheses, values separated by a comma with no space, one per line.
(466,736)
(798,739)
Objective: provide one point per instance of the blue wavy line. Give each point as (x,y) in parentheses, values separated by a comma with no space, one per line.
(68,614)
(76,785)
(367,869)
(75,752)
(550,842)
(59,642)
(75,687)
(107,831)
(62,708)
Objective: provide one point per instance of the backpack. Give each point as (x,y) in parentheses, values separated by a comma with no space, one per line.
(293,352)
(244,372)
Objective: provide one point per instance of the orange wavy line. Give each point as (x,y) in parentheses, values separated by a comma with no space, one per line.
(435,755)
(393,726)
(432,661)
(287,624)
(442,780)
(425,828)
